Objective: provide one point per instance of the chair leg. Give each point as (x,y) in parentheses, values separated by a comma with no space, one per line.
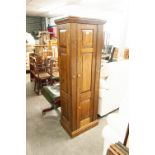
(47,82)
(57,103)
(35,85)
(39,86)
(47,109)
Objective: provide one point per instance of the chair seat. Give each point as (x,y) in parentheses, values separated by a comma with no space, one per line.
(51,92)
(43,75)
(55,74)
(55,78)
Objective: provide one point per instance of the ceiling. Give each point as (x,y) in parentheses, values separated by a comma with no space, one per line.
(55,8)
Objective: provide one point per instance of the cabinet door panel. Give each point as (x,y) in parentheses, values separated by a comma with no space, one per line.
(86,72)
(87,38)
(85,109)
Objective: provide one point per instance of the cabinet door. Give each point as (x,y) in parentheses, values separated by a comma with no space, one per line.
(85,72)
(63,48)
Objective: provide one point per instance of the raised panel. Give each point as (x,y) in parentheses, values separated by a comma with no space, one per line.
(87,38)
(62,38)
(85,109)
(64,73)
(86,70)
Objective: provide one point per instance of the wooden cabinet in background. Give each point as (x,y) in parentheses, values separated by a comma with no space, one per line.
(80,41)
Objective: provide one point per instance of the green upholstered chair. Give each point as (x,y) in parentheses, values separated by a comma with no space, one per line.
(52,94)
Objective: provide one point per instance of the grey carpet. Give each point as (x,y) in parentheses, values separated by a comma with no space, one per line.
(45,135)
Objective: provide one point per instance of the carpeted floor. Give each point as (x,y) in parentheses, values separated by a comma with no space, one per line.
(45,136)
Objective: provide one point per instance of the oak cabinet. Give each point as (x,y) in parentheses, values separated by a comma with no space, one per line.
(80,41)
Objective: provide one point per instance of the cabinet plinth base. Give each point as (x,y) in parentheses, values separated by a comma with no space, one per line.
(80,130)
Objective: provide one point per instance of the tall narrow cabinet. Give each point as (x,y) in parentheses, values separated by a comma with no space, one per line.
(80,41)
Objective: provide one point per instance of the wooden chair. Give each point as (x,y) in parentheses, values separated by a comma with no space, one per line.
(53,70)
(52,91)
(41,75)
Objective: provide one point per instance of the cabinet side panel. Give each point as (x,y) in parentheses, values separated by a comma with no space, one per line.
(64,63)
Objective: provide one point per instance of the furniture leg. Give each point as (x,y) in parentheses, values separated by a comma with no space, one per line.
(56,104)
(38,86)
(47,109)
(35,85)
(126,136)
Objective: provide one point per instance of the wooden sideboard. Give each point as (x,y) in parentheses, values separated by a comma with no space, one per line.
(80,41)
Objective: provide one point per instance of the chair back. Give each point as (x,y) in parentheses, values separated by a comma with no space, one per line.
(52,66)
(39,65)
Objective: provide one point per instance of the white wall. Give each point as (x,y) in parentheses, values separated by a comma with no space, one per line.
(117,19)
(113,27)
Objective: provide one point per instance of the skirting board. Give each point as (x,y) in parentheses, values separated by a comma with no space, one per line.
(80,130)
